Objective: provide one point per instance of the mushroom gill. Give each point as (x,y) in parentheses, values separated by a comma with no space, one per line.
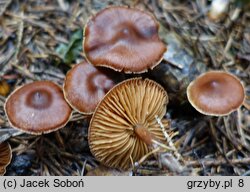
(5,156)
(124,123)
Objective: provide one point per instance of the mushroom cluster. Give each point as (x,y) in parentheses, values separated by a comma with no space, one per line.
(123,126)
(125,117)
(119,38)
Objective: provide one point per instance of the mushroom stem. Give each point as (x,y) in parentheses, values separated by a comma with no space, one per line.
(148,138)
(144,134)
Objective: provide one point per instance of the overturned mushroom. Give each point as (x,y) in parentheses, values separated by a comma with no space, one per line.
(216,93)
(85,86)
(123,38)
(37,108)
(5,156)
(124,125)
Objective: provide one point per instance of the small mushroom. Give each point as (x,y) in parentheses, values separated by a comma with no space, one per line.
(37,108)
(124,124)
(85,86)
(216,93)
(5,157)
(123,38)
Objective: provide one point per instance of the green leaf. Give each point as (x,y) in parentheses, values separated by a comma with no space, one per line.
(69,52)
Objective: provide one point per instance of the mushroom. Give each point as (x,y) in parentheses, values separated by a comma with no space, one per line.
(123,38)
(124,125)
(85,86)
(105,171)
(5,157)
(37,108)
(216,93)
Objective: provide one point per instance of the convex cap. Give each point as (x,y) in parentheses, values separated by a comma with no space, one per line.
(37,108)
(124,123)
(216,93)
(123,38)
(5,156)
(85,86)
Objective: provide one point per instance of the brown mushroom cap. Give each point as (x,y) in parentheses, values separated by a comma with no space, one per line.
(5,156)
(216,93)
(127,112)
(123,38)
(85,86)
(37,108)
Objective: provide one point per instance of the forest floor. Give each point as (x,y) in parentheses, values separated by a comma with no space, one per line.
(42,40)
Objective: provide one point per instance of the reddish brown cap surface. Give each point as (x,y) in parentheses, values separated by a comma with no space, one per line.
(37,108)
(216,93)
(85,86)
(123,38)
(124,123)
